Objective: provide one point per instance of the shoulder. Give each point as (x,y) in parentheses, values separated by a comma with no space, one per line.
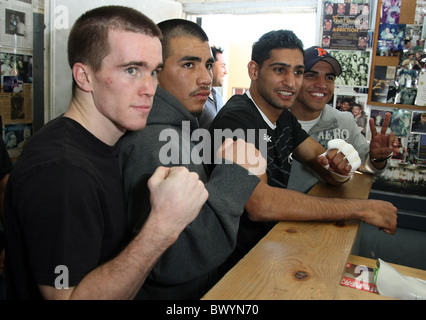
(63,142)
(339,115)
(238,112)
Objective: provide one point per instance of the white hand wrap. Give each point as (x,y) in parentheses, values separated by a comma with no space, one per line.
(350,154)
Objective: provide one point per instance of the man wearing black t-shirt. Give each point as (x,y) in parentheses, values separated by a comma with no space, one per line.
(67,232)
(276,73)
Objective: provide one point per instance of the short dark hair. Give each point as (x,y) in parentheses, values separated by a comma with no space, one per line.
(215,51)
(358,105)
(175,28)
(88,39)
(278,39)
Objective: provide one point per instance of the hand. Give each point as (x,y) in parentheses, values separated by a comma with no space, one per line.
(381,214)
(243,154)
(337,162)
(177,196)
(381,145)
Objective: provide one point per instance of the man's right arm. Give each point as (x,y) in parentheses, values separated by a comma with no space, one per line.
(176,198)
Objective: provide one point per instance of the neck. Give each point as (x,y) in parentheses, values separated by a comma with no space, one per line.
(302,113)
(83,111)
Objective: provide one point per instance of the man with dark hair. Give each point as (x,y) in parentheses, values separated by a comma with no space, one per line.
(276,73)
(189,267)
(360,117)
(66,226)
(324,123)
(215,102)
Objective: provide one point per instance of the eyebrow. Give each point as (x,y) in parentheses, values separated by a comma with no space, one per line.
(194,58)
(327,74)
(286,65)
(190,58)
(133,63)
(139,64)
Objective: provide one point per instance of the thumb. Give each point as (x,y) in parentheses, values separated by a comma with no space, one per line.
(159,175)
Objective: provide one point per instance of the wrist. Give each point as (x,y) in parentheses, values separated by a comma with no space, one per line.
(378,160)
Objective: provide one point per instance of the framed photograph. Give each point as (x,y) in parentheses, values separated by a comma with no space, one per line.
(355,103)
(239,90)
(418,123)
(391,10)
(15,138)
(355,67)
(345,25)
(400,122)
(400,149)
(391,39)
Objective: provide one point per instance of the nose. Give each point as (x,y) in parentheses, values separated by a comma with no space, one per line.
(289,80)
(321,83)
(205,77)
(148,86)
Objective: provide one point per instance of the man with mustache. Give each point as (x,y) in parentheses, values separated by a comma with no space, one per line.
(189,267)
(276,72)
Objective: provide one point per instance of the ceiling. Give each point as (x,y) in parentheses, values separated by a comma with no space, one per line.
(247,7)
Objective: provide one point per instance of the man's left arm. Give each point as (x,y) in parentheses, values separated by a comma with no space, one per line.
(381,145)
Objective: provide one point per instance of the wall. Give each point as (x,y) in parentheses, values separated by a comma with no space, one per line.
(61,14)
(240,55)
(236,33)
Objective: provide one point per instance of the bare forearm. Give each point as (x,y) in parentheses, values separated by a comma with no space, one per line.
(274,204)
(121,277)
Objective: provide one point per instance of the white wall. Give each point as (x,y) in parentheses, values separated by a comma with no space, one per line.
(60,16)
(237,33)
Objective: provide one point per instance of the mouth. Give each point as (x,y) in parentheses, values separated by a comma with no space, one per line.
(202,94)
(142,108)
(286,93)
(318,95)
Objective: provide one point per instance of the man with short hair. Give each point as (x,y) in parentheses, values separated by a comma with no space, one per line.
(215,102)
(324,123)
(66,226)
(189,267)
(276,73)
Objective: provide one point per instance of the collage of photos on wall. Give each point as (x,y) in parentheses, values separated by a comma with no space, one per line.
(406,172)
(16,102)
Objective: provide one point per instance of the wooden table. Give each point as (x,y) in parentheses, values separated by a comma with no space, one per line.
(298,260)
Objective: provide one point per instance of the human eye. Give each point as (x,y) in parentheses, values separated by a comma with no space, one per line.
(210,66)
(132,71)
(188,65)
(330,78)
(156,72)
(298,72)
(279,69)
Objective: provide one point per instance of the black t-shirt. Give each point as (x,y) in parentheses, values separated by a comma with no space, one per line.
(241,113)
(64,207)
(5,167)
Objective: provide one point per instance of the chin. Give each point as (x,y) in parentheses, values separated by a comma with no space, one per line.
(197,113)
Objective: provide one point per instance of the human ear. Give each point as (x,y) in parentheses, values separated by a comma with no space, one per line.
(253,70)
(81,76)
